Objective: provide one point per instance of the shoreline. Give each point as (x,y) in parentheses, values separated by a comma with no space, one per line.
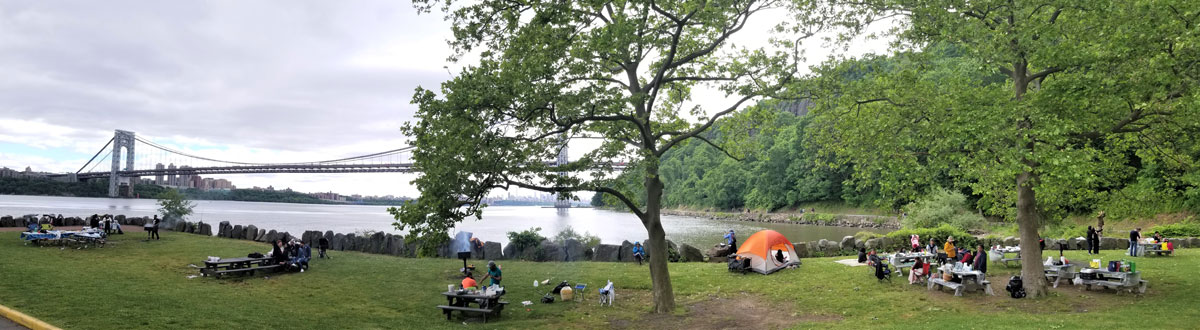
(807,218)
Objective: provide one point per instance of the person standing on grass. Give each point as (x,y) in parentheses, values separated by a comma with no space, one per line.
(154,229)
(951,252)
(323,244)
(1134,237)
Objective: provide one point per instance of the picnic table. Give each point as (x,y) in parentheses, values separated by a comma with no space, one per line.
(907,260)
(1116,280)
(969,280)
(83,238)
(1060,272)
(1155,248)
(489,305)
(1002,253)
(244,265)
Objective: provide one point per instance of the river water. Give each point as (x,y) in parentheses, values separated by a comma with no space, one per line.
(612,227)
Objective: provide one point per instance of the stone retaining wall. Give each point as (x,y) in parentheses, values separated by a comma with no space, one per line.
(383,243)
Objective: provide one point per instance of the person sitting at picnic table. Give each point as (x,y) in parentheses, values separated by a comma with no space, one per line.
(918,271)
(301,256)
(639,252)
(932,247)
(468,281)
(967,258)
(980,263)
(951,252)
(1158,238)
(277,254)
(493,273)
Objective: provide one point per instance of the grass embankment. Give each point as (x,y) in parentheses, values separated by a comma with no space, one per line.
(136,284)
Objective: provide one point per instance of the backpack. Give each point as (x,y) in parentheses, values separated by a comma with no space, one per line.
(254,255)
(1015,287)
(548,298)
(558,289)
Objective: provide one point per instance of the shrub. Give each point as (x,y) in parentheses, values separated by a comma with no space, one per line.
(900,239)
(866,235)
(821,218)
(1182,229)
(587,239)
(942,207)
(525,239)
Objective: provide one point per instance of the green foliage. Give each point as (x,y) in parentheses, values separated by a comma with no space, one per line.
(174,206)
(253,195)
(1064,230)
(1190,228)
(46,187)
(866,235)
(525,239)
(939,207)
(587,239)
(899,239)
(821,218)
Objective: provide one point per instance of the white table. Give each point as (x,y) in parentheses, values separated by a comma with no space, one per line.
(1060,272)
(971,280)
(1116,280)
(1003,252)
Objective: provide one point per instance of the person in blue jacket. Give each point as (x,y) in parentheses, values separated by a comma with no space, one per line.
(639,252)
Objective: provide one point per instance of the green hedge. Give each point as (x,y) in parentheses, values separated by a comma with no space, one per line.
(900,239)
(1182,229)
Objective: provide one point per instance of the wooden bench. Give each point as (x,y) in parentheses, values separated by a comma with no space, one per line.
(938,282)
(248,271)
(486,312)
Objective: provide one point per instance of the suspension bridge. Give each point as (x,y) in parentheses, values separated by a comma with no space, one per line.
(128,167)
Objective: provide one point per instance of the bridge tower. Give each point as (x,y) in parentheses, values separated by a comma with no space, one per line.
(115,180)
(561,202)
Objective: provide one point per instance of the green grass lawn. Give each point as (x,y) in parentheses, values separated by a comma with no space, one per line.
(136,284)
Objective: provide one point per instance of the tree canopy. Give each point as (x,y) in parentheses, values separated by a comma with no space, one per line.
(1041,111)
(620,72)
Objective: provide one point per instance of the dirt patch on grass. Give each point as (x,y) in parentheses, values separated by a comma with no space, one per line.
(740,311)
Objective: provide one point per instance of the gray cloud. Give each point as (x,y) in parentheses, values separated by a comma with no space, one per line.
(281,75)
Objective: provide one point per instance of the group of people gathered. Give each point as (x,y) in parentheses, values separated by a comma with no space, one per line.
(945,253)
(292,254)
(493,273)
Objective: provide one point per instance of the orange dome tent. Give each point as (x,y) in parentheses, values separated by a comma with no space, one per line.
(762,248)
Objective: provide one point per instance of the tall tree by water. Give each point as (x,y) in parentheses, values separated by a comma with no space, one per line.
(1026,103)
(173,205)
(618,72)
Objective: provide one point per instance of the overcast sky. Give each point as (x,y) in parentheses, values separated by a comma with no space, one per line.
(257,81)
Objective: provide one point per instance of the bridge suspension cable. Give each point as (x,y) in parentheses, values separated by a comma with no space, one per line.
(341,160)
(110,141)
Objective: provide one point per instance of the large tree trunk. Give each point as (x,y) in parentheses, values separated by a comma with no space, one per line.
(1033,275)
(664,296)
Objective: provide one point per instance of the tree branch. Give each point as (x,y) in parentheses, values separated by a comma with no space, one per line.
(714,145)
(701,128)
(629,203)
